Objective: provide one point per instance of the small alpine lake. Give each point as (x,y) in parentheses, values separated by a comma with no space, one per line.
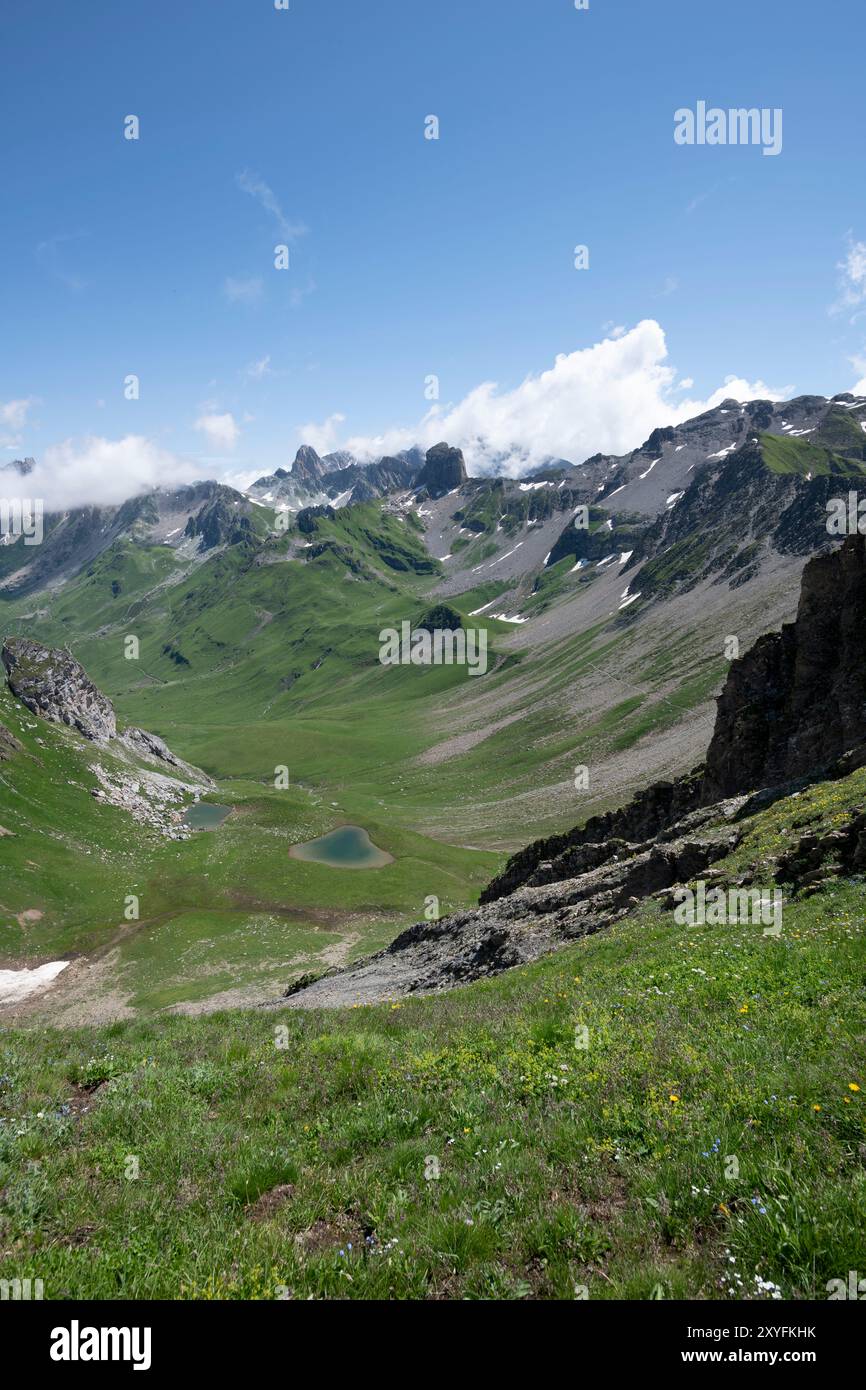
(203,815)
(347,847)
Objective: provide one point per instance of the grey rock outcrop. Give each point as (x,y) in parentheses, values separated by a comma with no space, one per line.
(444,469)
(54,685)
(651,812)
(308,467)
(219,523)
(8,743)
(796,701)
(154,749)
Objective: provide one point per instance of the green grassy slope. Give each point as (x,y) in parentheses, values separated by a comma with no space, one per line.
(711,1133)
(785,455)
(74,861)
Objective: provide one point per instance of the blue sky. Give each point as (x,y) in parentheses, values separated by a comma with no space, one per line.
(412,257)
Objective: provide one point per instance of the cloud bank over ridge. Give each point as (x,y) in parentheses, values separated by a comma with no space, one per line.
(602,399)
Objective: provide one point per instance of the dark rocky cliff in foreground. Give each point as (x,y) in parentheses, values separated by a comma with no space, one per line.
(797,699)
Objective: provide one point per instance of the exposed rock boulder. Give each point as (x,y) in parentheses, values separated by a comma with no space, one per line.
(826,853)
(154,749)
(55,686)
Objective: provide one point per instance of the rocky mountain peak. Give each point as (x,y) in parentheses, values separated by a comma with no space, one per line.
(444,469)
(308,467)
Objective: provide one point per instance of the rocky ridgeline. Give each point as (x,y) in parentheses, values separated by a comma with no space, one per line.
(54,686)
(219,523)
(793,709)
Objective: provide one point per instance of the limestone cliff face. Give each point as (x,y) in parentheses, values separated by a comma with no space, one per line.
(308,467)
(797,700)
(55,686)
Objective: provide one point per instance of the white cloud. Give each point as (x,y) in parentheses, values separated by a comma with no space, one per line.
(603,399)
(852,279)
(13,414)
(323,438)
(256,370)
(13,417)
(242,291)
(263,194)
(105,472)
(221,430)
(859,365)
